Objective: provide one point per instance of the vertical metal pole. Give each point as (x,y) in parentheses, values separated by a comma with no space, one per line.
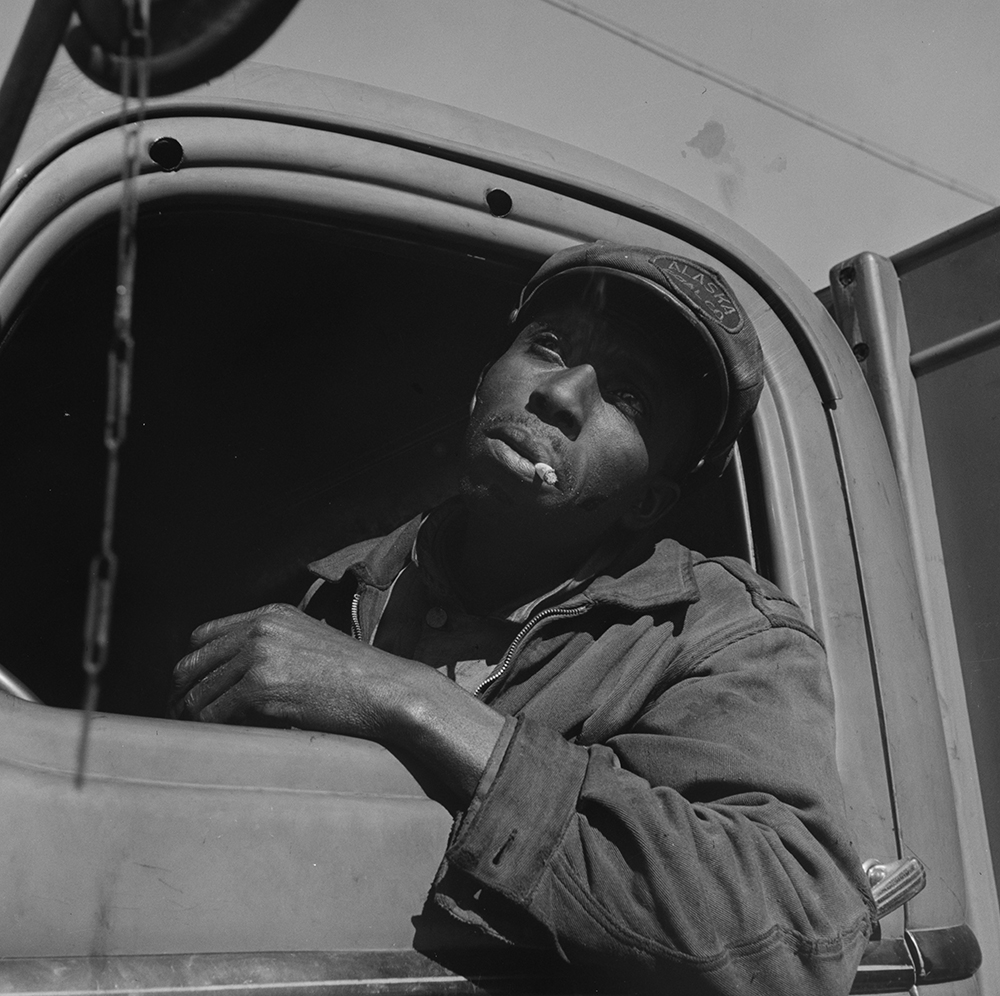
(36,48)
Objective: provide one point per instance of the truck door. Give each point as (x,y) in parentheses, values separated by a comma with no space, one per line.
(925,326)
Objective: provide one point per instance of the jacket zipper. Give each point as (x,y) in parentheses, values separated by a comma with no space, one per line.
(546,614)
(355,621)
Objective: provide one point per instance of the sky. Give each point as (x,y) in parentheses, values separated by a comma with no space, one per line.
(698,111)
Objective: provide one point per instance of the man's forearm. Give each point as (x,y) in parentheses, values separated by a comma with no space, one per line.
(443,726)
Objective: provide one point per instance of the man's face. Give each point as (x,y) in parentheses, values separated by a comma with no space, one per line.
(591,396)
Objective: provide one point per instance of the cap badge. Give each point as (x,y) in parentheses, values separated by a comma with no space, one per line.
(701,290)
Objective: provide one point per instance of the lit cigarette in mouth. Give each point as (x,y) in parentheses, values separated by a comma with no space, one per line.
(546,473)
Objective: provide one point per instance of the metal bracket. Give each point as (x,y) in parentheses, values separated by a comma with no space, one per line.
(894,882)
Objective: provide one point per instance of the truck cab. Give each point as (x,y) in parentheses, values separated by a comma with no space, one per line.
(323,269)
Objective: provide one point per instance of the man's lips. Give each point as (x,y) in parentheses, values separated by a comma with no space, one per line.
(522,442)
(523,454)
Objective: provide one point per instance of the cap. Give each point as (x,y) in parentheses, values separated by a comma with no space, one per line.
(663,287)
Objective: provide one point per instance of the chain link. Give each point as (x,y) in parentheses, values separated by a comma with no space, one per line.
(136,51)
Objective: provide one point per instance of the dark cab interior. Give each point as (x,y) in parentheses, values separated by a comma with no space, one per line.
(298,386)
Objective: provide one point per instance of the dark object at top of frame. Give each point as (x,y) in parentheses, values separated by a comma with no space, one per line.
(192,40)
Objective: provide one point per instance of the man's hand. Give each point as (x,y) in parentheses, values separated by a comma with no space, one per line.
(276,665)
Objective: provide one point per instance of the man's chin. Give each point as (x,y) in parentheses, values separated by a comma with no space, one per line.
(477,491)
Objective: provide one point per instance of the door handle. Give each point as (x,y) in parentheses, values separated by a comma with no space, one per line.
(894,882)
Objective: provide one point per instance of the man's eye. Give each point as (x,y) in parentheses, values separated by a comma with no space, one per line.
(547,343)
(629,401)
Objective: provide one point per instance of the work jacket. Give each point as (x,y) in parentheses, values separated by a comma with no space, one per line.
(664,802)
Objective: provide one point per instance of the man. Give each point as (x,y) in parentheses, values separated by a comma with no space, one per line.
(637,740)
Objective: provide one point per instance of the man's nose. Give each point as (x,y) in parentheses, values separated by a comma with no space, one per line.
(565,398)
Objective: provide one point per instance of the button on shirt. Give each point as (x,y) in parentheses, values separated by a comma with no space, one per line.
(423,625)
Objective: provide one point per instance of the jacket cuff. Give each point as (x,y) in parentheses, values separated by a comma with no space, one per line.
(509,833)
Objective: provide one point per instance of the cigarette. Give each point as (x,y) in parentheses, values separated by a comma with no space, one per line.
(546,473)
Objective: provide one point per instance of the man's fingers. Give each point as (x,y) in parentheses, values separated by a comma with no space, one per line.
(191,697)
(220,645)
(249,663)
(215,628)
(207,658)
(232,702)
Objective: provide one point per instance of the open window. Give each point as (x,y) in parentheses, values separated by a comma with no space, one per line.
(298,386)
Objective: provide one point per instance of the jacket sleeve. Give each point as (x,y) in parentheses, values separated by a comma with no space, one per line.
(704,843)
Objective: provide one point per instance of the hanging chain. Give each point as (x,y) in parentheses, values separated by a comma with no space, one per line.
(136,51)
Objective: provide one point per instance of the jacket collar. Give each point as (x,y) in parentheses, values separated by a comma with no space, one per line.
(647,576)
(375,562)
(643,577)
